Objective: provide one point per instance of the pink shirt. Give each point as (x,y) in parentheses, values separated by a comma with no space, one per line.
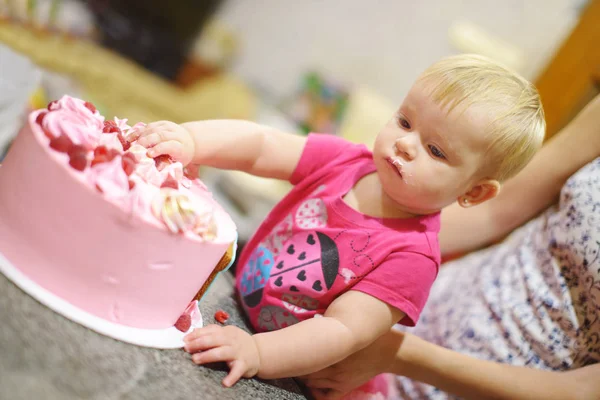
(313,247)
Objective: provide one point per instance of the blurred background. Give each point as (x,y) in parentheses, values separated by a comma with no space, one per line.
(337,67)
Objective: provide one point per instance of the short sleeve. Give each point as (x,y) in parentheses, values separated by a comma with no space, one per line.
(403,281)
(320,151)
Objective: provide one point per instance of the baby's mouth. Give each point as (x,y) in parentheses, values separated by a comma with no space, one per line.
(396,164)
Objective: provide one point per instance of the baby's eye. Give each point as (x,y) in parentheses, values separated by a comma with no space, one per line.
(403,123)
(436,152)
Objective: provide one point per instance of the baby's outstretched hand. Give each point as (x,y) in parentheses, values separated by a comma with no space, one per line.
(229,344)
(164,137)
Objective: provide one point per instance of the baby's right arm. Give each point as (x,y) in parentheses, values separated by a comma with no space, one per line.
(226,144)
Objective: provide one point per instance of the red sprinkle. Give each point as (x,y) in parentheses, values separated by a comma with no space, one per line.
(221,316)
(131,185)
(90,106)
(53,105)
(183,323)
(61,144)
(40,118)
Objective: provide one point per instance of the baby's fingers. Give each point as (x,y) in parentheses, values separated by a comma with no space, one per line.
(206,342)
(237,370)
(199,332)
(171,147)
(152,138)
(136,134)
(217,354)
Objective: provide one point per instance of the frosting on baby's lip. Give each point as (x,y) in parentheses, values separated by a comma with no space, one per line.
(396,163)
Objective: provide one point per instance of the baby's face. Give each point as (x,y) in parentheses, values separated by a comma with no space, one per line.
(426,157)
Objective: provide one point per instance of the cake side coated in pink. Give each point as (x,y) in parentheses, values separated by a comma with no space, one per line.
(66,237)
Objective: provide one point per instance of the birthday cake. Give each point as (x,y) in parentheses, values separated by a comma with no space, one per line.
(88,217)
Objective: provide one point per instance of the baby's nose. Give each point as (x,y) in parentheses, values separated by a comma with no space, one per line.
(405,148)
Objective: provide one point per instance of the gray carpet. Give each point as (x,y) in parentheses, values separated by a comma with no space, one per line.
(46,356)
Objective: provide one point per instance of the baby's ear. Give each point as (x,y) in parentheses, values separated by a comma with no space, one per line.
(484,190)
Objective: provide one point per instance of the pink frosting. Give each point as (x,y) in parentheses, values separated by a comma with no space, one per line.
(139,152)
(110,178)
(70,117)
(140,198)
(175,170)
(101,256)
(194,313)
(111,141)
(148,172)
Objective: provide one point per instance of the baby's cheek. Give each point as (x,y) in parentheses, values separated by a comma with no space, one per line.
(431,191)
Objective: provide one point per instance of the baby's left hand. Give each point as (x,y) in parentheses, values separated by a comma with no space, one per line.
(215,343)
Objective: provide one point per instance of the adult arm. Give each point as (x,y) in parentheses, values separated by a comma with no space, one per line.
(468,377)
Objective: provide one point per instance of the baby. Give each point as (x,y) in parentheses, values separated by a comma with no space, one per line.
(353,248)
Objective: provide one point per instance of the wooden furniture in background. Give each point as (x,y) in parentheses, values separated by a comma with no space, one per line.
(119,86)
(572,78)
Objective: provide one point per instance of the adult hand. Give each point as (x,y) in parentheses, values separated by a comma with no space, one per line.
(339,379)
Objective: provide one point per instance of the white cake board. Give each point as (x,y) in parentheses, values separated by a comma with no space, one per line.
(169,338)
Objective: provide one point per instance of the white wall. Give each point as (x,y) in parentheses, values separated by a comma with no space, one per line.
(381,43)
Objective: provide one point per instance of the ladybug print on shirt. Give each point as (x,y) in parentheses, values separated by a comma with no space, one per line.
(308,264)
(295,272)
(311,214)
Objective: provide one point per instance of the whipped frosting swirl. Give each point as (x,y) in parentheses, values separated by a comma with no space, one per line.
(70,117)
(110,178)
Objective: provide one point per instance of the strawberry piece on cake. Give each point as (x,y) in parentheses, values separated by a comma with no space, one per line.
(78,160)
(162,161)
(62,144)
(90,106)
(184,323)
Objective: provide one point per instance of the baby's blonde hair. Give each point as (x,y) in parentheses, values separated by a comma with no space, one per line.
(518,126)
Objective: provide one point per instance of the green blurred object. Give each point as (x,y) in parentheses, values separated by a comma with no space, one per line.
(319,105)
